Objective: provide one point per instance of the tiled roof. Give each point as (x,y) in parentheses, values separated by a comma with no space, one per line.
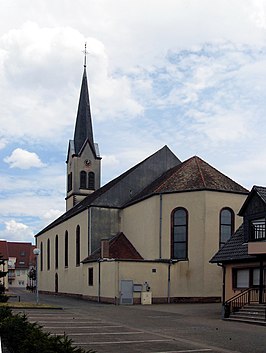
(108,197)
(3,249)
(234,250)
(260,191)
(191,175)
(23,252)
(120,248)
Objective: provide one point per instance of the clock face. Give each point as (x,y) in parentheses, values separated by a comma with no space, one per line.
(87,162)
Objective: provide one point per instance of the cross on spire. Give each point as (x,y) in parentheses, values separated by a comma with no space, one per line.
(85,54)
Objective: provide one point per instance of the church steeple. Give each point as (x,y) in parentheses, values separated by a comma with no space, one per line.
(83,159)
(83,129)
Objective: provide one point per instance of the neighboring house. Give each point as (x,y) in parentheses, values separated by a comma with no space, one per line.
(20,261)
(243,257)
(4,265)
(154,227)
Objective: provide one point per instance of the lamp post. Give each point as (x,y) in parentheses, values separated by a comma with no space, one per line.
(37,253)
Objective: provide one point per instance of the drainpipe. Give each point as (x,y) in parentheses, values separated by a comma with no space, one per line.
(261,282)
(89,233)
(223,287)
(170,263)
(160,226)
(99,281)
(169,282)
(223,290)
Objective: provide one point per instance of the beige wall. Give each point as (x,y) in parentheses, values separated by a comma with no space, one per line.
(141,224)
(70,278)
(229,290)
(195,277)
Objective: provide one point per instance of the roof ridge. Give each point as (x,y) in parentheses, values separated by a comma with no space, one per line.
(197,159)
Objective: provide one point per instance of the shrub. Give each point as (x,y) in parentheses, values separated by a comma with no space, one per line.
(20,336)
(3,298)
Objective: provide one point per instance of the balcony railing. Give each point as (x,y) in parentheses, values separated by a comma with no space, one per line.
(248,296)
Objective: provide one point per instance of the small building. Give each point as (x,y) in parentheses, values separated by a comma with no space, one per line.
(243,257)
(20,260)
(4,265)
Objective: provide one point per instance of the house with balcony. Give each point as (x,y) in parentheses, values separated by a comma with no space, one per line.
(19,261)
(243,259)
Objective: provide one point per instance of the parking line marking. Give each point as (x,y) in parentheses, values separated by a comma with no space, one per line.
(119,342)
(187,351)
(79,327)
(98,333)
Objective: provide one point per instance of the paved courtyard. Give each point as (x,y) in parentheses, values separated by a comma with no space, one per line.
(174,328)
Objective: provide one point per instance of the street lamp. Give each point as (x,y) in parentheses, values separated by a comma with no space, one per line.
(37,252)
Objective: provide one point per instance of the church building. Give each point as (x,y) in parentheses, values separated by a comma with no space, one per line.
(145,236)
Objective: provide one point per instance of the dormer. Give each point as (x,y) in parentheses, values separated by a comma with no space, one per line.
(253,212)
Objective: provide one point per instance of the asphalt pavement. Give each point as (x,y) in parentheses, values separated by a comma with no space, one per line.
(158,328)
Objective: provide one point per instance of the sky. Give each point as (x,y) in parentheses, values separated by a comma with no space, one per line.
(188,74)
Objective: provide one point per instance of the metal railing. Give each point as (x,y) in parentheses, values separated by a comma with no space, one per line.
(248,296)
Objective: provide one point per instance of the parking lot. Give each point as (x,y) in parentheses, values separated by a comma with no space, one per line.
(174,328)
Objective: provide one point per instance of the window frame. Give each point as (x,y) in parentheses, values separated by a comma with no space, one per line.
(232,225)
(91,181)
(48,254)
(66,249)
(41,253)
(173,226)
(56,251)
(78,245)
(90,276)
(83,179)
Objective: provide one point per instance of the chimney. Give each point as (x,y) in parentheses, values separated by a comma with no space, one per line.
(104,248)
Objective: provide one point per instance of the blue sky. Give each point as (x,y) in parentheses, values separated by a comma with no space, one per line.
(189,74)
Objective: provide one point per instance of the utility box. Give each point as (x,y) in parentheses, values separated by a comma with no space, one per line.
(146,298)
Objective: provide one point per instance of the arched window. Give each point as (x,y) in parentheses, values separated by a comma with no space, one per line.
(69,182)
(66,248)
(83,177)
(48,254)
(56,251)
(227,225)
(78,245)
(179,243)
(91,181)
(41,251)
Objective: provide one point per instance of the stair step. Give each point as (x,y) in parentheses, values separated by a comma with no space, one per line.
(252,314)
(246,321)
(248,317)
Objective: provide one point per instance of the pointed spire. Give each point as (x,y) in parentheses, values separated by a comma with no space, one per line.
(83,129)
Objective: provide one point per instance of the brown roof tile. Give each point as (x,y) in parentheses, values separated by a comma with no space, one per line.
(3,249)
(23,252)
(120,248)
(191,175)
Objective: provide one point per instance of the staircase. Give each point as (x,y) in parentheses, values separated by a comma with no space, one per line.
(250,313)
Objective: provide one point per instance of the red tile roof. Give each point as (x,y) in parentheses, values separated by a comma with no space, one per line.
(192,175)
(120,248)
(23,252)
(3,249)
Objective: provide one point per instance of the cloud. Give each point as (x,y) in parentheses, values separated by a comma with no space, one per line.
(23,159)
(52,214)
(16,231)
(41,70)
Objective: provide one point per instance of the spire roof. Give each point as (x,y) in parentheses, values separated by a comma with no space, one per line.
(83,129)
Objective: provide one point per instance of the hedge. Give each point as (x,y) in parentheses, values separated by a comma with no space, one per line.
(20,336)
